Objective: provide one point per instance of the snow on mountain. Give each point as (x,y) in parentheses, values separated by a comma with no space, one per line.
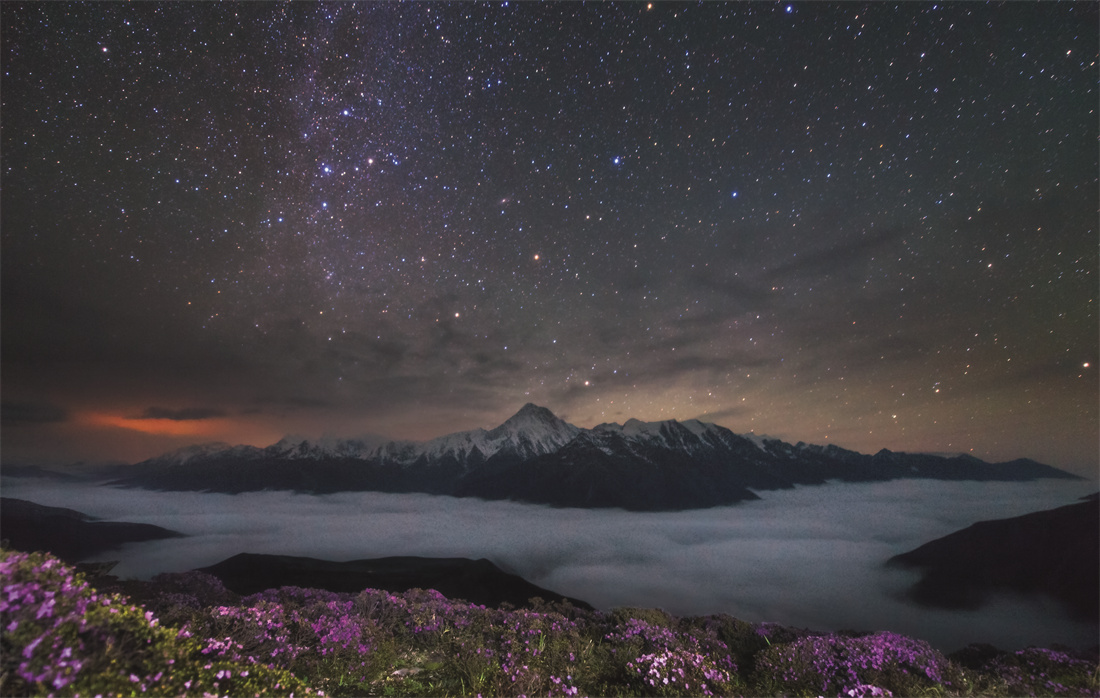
(530,432)
(199,452)
(689,435)
(533,431)
(536,457)
(326,447)
(696,427)
(757,439)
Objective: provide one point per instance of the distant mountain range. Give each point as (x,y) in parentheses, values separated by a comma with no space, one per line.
(538,458)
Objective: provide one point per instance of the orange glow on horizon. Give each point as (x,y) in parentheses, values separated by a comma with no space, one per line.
(160,427)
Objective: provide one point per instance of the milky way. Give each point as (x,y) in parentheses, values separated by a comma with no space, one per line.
(870,225)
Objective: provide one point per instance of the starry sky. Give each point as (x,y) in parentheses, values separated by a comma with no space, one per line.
(873,225)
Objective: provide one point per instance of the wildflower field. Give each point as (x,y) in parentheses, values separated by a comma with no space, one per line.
(186,634)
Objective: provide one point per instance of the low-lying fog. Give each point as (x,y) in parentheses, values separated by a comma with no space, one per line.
(809,557)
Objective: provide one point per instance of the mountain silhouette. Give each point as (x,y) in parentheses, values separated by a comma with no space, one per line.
(538,458)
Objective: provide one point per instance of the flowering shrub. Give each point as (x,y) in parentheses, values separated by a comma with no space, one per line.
(310,632)
(498,652)
(176,597)
(678,672)
(866,690)
(667,662)
(199,587)
(388,612)
(774,634)
(1042,672)
(61,637)
(880,664)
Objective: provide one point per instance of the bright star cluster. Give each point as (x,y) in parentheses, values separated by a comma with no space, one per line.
(865,224)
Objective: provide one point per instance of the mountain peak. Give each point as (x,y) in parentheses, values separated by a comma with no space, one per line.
(533,413)
(533,430)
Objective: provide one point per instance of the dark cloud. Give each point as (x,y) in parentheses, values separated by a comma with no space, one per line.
(19,413)
(183,414)
(294,401)
(728,413)
(739,294)
(835,259)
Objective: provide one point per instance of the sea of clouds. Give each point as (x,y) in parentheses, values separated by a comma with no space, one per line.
(809,557)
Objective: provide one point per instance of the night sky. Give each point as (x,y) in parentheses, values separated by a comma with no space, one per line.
(870,225)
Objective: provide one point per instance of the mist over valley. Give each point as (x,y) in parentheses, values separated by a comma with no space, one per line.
(809,556)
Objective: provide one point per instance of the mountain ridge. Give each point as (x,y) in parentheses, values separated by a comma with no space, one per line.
(536,457)
(67,533)
(1054,552)
(478,581)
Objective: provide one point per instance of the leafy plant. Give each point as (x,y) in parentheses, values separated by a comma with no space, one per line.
(879,664)
(1041,672)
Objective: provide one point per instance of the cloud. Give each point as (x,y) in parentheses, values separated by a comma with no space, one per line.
(18,413)
(294,402)
(809,557)
(834,258)
(715,416)
(181,415)
(738,295)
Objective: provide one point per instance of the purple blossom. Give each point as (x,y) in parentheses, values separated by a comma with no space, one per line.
(837,665)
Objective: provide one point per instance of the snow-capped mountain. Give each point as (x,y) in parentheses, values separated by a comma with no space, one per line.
(536,457)
(201,452)
(530,432)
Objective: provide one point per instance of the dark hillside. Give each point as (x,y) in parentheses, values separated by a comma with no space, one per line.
(70,535)
(477,581)
(1055,552)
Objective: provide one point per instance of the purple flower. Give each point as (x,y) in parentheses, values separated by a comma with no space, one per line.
(842,664)
(29,649)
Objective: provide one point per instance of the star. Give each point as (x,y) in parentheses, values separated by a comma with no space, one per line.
(390,163)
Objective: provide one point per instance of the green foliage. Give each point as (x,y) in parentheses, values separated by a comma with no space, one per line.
(1038,672)
(881,664)
(62,637)
(651,616)
(745,640)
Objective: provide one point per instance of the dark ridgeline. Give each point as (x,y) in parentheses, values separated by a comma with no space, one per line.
(68,534)
(537,458)
(1054,552)
(476,581)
